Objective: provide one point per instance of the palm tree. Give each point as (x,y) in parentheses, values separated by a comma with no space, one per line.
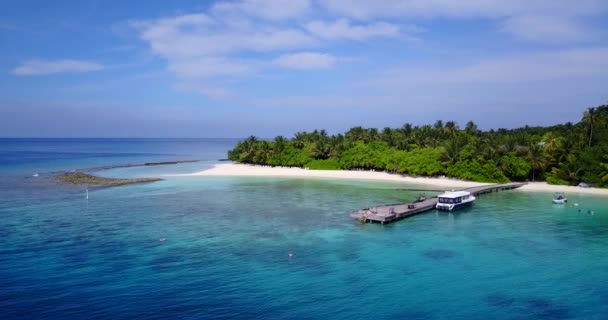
(536,158)
(279,144)
(299,140)
(589,119)
(337,146)
(406,129)
(471,128)
(322,135)
(356,134)
(488,152)
(249,149)
(572,167)
(423,136)
(251,140)
(604,174)
(404,136)
(510,145)
(373,135)
(387,136)
(321,150)
(553,147)
(451,129)
(451,152)
(262,154)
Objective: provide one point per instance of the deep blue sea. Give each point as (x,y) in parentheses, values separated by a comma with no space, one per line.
(513,255)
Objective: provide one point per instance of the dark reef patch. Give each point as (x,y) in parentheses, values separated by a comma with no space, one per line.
(439,254)
(499,300)
(546,309)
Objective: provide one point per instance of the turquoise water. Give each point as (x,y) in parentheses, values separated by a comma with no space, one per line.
(513,255)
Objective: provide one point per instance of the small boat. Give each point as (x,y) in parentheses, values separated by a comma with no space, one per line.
(559,198)
(453,200)
(420,198)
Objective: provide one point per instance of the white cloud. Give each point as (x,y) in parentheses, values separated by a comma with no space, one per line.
(265,9)
(203,46)
(550,29)
(207,67)
(238,38)
(566,64)
(513,90)
(306,60)
(212,91)
(45,67)
(200,35)
(502,87)
(365,9)
(343,29)
(533,20)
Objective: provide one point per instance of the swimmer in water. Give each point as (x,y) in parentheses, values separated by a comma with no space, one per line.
(590,212)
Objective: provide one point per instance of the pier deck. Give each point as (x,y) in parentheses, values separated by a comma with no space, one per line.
(393,212)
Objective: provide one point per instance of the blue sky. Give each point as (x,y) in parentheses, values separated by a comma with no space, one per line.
(268,67)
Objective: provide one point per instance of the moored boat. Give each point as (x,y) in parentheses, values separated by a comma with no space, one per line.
(559,198)
(453,200)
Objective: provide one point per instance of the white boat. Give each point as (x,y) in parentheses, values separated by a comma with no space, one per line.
(559,198)
(453,200)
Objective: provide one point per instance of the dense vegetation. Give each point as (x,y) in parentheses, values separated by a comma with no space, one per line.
(563,154)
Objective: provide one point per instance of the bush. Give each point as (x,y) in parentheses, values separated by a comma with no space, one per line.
(554,177)
(555,180)
(425,162)
(475,171)
(515,167)
(329,164)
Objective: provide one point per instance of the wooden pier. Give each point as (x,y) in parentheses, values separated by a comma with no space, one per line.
(393,212)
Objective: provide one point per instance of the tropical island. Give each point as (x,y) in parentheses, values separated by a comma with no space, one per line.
(565,154)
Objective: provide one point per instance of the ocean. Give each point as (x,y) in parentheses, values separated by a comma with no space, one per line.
(277,248)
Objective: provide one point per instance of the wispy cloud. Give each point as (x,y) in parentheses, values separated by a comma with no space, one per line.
(547,21)
(344,29)
(513,82)
(46,67)
(523,68)
(240,38)
(306,60)
(208,67)
(216,51)
(364,9)
(214,91)
(549,29)
(265,9)
(201,35)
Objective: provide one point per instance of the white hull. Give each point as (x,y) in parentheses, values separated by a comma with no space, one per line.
(455,206)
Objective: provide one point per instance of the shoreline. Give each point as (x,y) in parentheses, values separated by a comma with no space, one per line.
(245,170)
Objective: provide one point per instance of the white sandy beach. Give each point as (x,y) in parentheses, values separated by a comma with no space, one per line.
(242,170)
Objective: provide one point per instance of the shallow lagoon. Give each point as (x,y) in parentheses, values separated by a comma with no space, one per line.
(513,255)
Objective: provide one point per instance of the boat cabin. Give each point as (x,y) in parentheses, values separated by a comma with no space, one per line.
(454,197)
